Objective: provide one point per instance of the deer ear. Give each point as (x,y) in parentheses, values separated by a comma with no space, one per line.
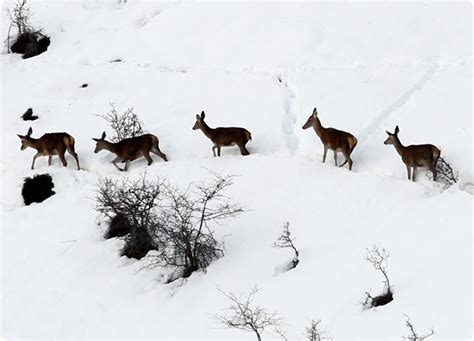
(397,130)
(30,131)
(203,114)
(103,136)
(388,133)
(21,137)
(96,140)
(315,112)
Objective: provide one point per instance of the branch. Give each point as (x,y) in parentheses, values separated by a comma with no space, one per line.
(413,335)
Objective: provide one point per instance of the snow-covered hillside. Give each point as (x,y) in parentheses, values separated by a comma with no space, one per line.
(264,66)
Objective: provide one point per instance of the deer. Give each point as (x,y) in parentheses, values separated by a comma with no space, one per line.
(130,149)
(48,145)
(413,156)
(223,137)
(334,139)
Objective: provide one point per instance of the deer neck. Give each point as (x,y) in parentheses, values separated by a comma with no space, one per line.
(110,146)
(32,142)
(399,147)
(318,127)
(208,131)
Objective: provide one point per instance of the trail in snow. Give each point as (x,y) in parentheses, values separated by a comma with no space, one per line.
(291,107)
(377,122)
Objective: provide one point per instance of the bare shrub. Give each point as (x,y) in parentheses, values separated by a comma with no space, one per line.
(314,332)
(19,19)
(178,224)
(284,240)
(245,315)
(414,336)
(135,201)
(446,175)
(185,232)
(125,125)
(378,258)
(28,41)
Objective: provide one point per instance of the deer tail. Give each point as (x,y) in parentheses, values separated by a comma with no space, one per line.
(436,154)
(353,143)
(248,136)
(69,141)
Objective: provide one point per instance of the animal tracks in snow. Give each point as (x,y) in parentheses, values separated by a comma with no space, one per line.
(291,107)
(377,122)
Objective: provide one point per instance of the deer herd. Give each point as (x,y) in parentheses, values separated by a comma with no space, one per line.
(129,149)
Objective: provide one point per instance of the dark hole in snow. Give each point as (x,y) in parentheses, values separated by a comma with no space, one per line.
(137,243)
(382,299)
(28,115)
(85,85)
(37,189)
(31,44)
(119,226)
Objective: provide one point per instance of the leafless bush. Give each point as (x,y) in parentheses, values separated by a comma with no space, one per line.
(185,232)
(124,125)
(135,201)
(379,260)
(413,336)
(446,175)
(19,20)
(314,332)
(285,241)
(245,315)
(27,41)
(178,224)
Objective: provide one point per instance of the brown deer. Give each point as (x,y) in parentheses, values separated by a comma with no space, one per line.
(223,137)
(130,149)
(413,156)
(49,145)
(336,140)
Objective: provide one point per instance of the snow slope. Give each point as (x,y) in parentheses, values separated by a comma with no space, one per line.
(265,66)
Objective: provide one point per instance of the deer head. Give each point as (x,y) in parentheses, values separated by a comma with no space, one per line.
(311,119)
(199,121)
(392,138)
(100,143)
(25,139)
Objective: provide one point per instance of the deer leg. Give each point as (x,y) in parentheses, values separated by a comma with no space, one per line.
(62,158)
(433,167)
(218,150)
(409,172)
(147,157)
(243,150)
(127,163)
(74,155)
(413,174)
(335,158)
(50,158)
(158,152)
(325,153)
(434,171)
(214,150)
(348,159)
(114,161)
(34,159)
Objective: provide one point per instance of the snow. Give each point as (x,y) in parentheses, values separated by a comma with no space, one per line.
(263,66)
